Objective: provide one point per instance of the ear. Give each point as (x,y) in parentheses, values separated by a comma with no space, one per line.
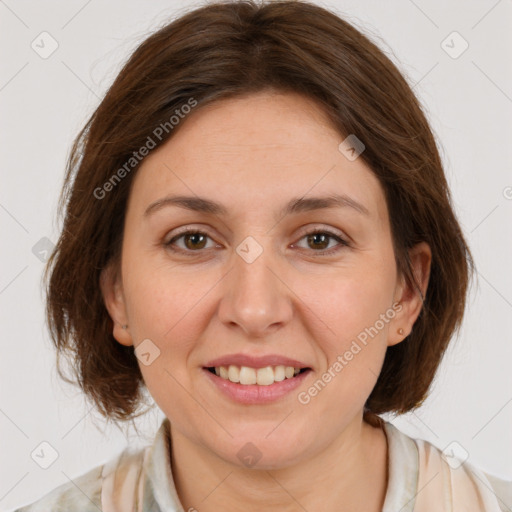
(408,295)
(113,296)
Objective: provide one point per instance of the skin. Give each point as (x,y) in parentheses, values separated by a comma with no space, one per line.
(262,150)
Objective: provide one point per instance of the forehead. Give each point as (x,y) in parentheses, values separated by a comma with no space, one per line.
(256,150)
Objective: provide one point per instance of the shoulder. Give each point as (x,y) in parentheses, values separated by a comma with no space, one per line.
(90,491)
(461,483)
(503,490)
(81,493)
(441,480)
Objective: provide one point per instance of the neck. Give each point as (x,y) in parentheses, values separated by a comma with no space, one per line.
(349,475)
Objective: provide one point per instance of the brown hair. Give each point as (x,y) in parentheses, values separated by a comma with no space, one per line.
(230,49)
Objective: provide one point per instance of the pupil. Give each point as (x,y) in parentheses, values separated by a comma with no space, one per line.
(193,236)
(323,236)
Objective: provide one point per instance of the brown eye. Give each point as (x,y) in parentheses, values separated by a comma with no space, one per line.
(193,241)
(319,241)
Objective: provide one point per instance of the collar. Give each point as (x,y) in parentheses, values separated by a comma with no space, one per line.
(159,490)
(403,471)
(403,462)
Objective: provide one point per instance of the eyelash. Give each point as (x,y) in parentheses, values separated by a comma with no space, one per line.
(326,252)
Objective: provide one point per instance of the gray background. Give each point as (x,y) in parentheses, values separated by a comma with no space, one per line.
(45,101)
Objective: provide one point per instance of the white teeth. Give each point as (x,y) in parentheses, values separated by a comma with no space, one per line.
(265,376)
(261,376)
(279,373)
(247,375)
(234,373)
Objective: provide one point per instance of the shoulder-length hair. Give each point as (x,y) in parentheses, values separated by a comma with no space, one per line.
(226,50)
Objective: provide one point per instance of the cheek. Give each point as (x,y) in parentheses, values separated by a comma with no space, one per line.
(161,299)
(342,306)
(346,322)
(166,307)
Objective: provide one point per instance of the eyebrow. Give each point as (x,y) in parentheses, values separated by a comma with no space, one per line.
(294,206)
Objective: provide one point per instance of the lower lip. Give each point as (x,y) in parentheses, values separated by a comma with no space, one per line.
(254,393)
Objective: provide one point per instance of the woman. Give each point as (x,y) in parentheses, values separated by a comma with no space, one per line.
(258,231)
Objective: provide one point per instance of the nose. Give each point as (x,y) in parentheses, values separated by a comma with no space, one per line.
(256,299)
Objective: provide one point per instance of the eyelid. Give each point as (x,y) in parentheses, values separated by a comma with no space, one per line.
(314,228)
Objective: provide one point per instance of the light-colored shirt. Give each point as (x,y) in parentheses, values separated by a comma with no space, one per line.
(420,479)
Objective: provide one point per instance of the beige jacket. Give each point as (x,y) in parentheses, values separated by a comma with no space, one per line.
(421,479)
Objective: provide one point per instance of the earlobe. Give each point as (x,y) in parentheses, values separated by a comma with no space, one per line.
(113,297)
(411,295)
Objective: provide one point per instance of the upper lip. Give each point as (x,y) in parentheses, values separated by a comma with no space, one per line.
(255,361)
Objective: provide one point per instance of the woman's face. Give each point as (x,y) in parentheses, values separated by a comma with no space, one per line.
(253,281)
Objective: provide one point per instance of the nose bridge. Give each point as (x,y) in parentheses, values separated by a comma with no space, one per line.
(255,299)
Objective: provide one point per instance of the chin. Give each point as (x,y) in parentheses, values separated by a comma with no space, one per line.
(257,452)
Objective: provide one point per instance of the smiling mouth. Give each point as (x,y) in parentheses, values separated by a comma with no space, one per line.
(247,376)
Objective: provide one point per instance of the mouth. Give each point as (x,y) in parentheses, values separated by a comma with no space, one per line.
(247,376)
(256,382)
(256,379)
